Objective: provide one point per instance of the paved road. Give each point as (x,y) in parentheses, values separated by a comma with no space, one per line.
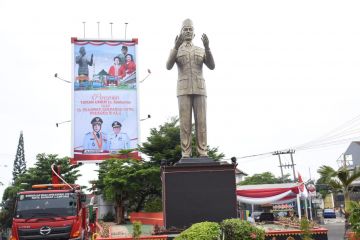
(336,230)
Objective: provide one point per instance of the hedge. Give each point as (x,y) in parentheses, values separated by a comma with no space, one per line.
(201,231)
(235,229)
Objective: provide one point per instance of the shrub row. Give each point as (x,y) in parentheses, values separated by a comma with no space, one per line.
(229,229)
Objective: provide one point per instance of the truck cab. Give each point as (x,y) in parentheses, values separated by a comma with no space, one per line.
(50,211)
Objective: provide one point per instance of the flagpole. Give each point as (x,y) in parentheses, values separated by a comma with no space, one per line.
(311,215)
(298,205)
(306,210)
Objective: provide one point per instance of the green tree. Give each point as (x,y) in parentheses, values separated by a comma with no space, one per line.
(153,204)
(339,180)
(39,174)
(129,183)
(8,205)
(19,162)
(323,189)
(164,144)
(265,178)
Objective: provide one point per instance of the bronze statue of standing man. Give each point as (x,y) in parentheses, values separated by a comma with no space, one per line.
(191,91)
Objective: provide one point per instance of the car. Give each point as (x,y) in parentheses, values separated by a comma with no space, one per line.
(256,216)
(329,213)
(267,217)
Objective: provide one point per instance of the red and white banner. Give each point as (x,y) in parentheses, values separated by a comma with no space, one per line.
(267,193)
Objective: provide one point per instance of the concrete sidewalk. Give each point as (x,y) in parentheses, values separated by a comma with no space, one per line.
(119,231)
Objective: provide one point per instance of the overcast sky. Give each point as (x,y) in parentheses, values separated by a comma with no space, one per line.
(287,72)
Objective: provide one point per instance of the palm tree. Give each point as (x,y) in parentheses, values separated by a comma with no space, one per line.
(339,180)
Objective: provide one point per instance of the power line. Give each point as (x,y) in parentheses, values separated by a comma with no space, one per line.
(255,155)
(342,127)
(338,135)
(251,159)
(334,137)
(337,142)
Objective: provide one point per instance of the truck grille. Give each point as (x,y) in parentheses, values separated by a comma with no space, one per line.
(56,233)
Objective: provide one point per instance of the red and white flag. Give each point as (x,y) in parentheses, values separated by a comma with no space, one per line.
(302,188)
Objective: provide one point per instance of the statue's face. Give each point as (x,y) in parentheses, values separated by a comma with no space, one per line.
(188,33)
(82,51)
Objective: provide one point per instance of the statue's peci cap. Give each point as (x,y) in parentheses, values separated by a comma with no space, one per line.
(187,23)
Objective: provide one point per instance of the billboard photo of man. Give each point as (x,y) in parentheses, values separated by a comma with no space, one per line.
(96,139)
(118,140)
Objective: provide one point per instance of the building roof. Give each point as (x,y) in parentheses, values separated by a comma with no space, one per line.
(356,182)
(239,172)
(352,143)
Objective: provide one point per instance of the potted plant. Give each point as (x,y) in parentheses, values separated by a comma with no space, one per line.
(354,220)
(136,230)
(305,228)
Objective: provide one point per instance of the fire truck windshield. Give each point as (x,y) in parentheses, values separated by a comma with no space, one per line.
(45,205)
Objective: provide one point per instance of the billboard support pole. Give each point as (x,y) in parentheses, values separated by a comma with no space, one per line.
(98,23)
(125,29)
(84,28)
(111,30)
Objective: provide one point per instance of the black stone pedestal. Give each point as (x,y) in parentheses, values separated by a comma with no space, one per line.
(196,191)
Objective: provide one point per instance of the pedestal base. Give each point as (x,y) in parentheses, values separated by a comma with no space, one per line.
(194,192)
(196,162)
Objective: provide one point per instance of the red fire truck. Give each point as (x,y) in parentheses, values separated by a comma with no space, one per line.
(50,211)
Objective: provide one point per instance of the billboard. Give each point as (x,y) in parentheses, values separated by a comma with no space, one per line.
(105,100)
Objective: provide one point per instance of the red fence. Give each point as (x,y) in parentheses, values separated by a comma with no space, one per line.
(153,218)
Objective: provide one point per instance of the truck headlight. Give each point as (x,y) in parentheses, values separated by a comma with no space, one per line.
(75,234)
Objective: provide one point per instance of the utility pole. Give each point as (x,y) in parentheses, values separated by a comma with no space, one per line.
(292,162)
(281,166)
(291,152)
